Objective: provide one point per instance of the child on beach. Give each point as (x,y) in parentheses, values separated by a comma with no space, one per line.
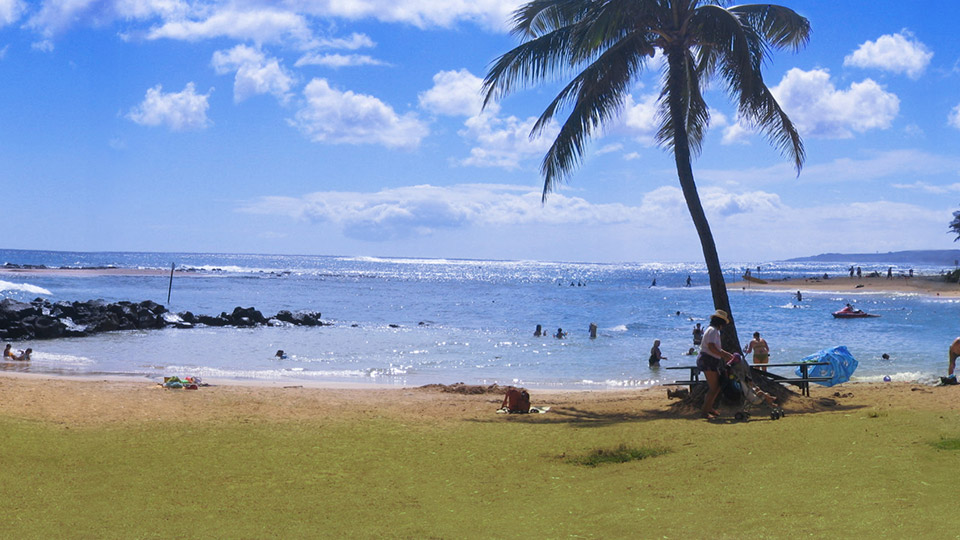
(7,353)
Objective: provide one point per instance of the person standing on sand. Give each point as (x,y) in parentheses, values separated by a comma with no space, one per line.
(760,349)
(712,356)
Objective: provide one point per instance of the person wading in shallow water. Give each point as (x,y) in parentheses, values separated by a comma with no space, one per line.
(761,351)
(710,359)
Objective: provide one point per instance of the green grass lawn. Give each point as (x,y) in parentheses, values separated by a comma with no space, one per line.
(853,474)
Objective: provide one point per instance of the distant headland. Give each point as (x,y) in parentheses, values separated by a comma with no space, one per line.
(943,257)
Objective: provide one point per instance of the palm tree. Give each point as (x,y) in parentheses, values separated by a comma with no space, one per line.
(605,45)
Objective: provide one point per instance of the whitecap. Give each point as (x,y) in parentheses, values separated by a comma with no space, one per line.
(23,287)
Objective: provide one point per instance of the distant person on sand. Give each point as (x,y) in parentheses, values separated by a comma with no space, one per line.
(890,273)
(851,271)
(655,355)
(538,332)
(697,335)
(859,273)
(712,356)
(761,351)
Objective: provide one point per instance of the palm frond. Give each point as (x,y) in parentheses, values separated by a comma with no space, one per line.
(597,95)
(781,27)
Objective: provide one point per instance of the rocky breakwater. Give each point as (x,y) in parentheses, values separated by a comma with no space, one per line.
(41,319)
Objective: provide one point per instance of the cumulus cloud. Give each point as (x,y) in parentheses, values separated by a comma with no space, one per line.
(10,11)
(954,118)
(493,14)
(56,16)
(422,210)
(819,109)
(179,111)
(455,93)
(896,53)
(337,60)
(332,116)
(255,73)
(640,118)
(265,25)
(504,142)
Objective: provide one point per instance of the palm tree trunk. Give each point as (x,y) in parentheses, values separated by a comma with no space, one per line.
(681,151)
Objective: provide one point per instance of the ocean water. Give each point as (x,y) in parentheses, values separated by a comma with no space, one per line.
(408,322)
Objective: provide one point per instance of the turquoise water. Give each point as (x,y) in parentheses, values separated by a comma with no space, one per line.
(418,321)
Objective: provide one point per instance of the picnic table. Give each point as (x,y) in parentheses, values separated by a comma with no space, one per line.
(803,381)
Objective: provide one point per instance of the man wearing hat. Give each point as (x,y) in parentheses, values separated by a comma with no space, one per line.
(712,356)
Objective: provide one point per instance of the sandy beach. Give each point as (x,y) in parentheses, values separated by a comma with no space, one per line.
(98,401)
(922,285)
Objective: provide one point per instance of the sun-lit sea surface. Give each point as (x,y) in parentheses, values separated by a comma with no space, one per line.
(417,321)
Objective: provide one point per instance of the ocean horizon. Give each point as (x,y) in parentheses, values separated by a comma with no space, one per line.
(411,321)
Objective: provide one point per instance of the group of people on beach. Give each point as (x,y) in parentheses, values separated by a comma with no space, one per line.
(8,354)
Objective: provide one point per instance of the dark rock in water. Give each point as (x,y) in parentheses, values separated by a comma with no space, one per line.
(211,321)
(41,319)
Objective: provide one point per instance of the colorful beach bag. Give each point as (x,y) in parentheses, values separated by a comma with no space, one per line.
(841,365)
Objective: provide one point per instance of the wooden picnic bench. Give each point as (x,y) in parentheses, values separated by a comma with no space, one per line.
(803,381)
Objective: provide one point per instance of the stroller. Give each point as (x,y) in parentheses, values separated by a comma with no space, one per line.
(737,374)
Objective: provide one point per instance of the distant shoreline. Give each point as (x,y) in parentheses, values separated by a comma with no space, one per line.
(922,285)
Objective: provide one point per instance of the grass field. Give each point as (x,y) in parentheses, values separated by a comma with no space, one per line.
(859,473)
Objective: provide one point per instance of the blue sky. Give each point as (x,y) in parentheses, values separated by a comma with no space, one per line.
(353,127)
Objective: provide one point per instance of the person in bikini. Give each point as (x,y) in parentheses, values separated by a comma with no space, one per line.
(760,349)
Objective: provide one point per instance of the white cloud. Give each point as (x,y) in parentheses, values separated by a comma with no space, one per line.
(338,60)
(179,111)
(10,11)
(640,118)
(255,73)
(893,165)
(265,25)
(896,53)
(954,118)
(332,116)
(819,109)
(56,16)
(493,14)
(455,93)
(422,210)
(737,133)
(504,142)
(352,43)
(925,187)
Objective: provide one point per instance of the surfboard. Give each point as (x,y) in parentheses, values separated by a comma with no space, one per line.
(755,280)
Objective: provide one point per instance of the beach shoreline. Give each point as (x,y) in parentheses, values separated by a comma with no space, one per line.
(919,285)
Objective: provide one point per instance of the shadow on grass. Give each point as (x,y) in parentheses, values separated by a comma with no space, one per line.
(592,418)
